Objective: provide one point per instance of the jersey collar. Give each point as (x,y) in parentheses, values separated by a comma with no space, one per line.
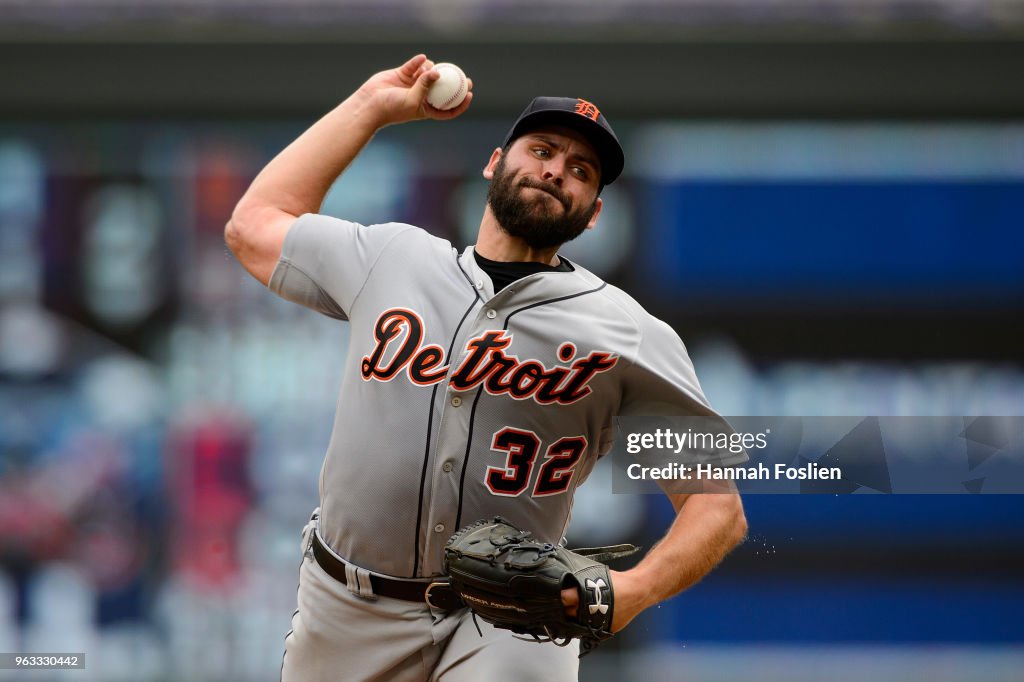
(532,288)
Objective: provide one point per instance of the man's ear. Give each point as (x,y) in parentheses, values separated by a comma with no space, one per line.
(489,168)
(597,212)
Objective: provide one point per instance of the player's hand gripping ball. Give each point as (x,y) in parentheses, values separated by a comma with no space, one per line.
(448,91)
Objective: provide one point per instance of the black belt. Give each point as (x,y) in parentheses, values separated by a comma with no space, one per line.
(436,594)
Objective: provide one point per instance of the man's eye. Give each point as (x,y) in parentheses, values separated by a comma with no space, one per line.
(580,172)
(541,152)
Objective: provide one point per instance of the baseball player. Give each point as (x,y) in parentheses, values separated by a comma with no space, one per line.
(479,382)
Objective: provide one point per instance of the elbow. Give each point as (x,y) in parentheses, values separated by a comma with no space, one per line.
(739,526)
(732,521)
(234,230)
(232,236)
(239,227)
(255,235)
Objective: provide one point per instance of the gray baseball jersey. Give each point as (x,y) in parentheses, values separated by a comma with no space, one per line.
(458,403)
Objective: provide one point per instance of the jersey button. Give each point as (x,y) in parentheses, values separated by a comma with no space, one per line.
(479,284)
(456,401)
(439,528)
(446,467)
(491,314)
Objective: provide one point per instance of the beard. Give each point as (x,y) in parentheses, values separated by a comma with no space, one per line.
(536,221)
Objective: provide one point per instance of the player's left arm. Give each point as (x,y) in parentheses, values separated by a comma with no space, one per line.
(707,527)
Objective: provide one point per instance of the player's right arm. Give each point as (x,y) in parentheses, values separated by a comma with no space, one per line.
(297,180)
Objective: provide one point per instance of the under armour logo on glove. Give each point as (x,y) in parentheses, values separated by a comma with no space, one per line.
(515,582)
(596,586)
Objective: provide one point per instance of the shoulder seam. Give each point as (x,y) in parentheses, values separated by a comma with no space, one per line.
(373,266)
(606,294)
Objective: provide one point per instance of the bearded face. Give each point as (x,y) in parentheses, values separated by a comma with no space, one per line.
(544,217)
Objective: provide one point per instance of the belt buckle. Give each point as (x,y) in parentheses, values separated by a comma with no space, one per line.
(446,598)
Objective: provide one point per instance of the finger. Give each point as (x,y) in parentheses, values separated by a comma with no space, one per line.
(411,67)
(427,65)
(452,113)
(424,81)
(417,96)
(570,600)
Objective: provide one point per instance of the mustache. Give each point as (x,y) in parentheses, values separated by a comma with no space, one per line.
(548,187)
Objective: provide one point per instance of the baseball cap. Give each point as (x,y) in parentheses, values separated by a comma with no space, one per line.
(580,115)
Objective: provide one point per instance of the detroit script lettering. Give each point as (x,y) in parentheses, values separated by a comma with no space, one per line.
(487,364)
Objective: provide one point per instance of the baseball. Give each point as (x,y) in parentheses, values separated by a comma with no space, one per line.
(450,89)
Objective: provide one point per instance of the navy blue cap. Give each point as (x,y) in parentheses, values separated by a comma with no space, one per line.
(580,115)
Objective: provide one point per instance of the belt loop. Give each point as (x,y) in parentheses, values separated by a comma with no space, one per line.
(307,533)
(357,580)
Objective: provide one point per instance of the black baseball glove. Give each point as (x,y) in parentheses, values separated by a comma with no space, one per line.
(515,582)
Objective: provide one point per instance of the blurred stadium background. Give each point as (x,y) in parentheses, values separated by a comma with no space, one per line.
(824,197)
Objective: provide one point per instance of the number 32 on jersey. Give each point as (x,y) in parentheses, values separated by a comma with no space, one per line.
(520,448)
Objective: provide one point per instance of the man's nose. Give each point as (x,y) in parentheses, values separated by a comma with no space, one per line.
(554,171)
